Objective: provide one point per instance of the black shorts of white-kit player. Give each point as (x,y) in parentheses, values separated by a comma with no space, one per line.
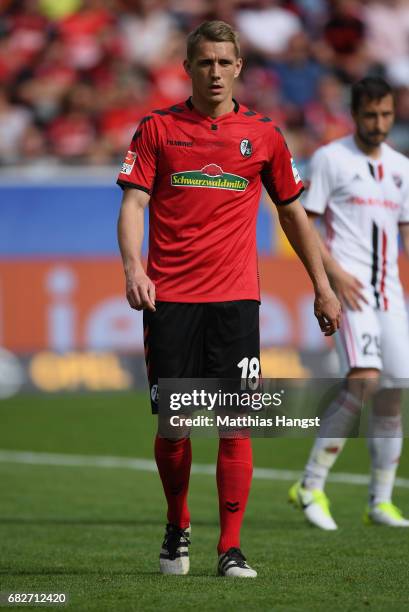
(200,340)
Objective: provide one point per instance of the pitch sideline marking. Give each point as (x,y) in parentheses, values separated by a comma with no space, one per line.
(147,465)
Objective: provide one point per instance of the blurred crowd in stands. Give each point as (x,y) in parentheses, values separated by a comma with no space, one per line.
(76,76)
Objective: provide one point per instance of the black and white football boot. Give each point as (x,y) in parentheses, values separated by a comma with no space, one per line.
(174,554)
(233,564)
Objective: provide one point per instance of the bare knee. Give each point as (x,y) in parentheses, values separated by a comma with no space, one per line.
(363,383)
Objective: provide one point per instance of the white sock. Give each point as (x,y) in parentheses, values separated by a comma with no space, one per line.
(336,424)
(385,446)
(323,455)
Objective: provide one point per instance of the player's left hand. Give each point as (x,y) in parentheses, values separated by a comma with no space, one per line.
(327,309)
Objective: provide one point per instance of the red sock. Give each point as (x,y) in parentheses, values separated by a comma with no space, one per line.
(234,472)
(174,458)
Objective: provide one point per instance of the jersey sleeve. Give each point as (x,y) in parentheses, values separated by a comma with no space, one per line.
(321,183)
(404,211)
(279,175)
(139,166)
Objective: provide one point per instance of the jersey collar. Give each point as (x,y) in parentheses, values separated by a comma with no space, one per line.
(235,110)
(361,153)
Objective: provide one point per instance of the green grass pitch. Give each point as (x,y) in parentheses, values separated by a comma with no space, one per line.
(95,533)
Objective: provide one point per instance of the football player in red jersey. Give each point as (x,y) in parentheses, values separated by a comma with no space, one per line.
(200,165)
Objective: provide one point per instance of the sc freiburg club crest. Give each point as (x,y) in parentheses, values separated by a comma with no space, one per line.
(245,147)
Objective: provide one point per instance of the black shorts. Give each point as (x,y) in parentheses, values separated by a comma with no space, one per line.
(206,340)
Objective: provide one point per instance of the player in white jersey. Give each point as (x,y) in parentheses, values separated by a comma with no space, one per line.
(361,187)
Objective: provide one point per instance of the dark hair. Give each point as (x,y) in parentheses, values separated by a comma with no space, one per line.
(216,31)
(371,88)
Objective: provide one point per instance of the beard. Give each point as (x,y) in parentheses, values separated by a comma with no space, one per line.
(372,139)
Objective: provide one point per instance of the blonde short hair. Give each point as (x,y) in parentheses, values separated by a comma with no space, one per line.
(215,31)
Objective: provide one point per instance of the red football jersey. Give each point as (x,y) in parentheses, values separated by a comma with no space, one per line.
(204,177)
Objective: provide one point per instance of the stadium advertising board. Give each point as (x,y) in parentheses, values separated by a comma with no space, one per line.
(80,305)
(79,332)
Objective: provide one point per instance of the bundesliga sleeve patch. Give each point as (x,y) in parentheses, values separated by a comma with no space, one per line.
(128,163)
(296,174)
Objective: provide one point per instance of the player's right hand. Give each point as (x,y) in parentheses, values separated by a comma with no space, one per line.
(327,309)
(348,289)
(140,292)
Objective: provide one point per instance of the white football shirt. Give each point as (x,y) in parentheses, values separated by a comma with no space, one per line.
(363,201)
